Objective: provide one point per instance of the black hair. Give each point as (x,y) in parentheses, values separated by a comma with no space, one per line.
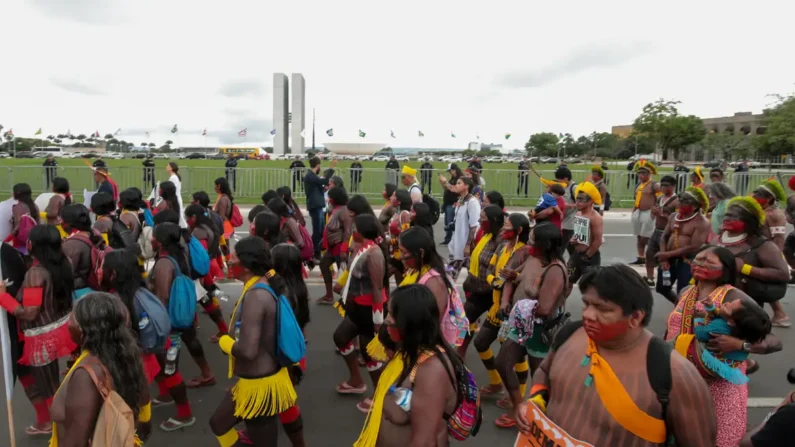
(202,198)
(620,284)
(24,194)
(255,211)
(102,204)
(358,205)
(549,242)
(718,171)
(726,258)
(338,181)
(416,317)
(474,174)
(389,189)
(201,215)
(668,179)
(314,162)
(167,215)
(495,198)
(60,185)
(169,235)
(45,247)
(496,218)
(121,272)
(404,199)
(469,182)
(557,189)
(370,228)
(267,226)
(752,225)
(254,255)
(103,322)
(77,217)
(268,196)
(562,173)
(130,199)
(456,170)
(223,187)
(175,169)
(278,207)
(288,265)
(422,247)
(287,195)
(338,195)
(520,222)
(168,191)
(423,217)
(751,321)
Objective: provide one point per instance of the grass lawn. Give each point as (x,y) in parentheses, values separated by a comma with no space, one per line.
(254,177)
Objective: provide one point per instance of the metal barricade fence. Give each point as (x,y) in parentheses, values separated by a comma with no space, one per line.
(518,188)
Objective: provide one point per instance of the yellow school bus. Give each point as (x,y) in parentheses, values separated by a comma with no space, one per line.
(248,152)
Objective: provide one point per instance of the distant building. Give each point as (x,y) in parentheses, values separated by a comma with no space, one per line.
(474,146)
(745,122)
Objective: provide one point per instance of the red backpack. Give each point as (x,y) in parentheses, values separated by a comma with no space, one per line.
(235,218)
(97,257)
(308,249)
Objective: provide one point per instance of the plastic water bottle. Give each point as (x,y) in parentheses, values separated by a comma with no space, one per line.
(666,278)
(402,397)
(237,331)
(502,335)
(144,321)
(171,360)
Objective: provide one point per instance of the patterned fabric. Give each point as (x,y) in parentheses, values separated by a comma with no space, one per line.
(522,320)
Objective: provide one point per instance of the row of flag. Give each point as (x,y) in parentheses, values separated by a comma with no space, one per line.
(362,134)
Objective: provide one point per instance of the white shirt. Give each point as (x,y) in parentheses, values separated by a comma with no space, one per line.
(467,216)
(178,183)
(416,193)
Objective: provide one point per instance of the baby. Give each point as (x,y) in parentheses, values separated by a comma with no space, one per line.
(739,318)
(549,200)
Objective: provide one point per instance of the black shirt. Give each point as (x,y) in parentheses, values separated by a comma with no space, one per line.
(450,197)
(779,430)
(231,163)
(392,164)
(297,164)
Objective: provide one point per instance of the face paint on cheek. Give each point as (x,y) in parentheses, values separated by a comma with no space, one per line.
(486,226)
(760,200)
(508,234)
(601,332)
(394,334)
(686,210)
(702,273)
(733,226)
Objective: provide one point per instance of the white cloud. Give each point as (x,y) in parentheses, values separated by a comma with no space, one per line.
(442,66)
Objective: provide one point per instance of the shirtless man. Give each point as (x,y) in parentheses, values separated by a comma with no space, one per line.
(588,229)
(789,243)
(686,232)
(645,198)
(598,180)
(769,195)
(666,205)
(596,384)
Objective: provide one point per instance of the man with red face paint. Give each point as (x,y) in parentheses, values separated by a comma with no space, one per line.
(588,229)
(768,195)
(686,232)
(595,382)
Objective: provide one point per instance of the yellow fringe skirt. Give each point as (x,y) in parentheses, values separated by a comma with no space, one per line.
(266,396)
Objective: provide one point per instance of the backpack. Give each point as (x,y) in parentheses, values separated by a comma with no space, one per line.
(149,219)
(658,369)
(26,223)
(97,258)
(153,336)
(455,325)
(181,299)
(433,204)
(115,426)
(608,202)
(145,242)
(467,416)
(290,343)
(199,259)
(217,220)
(308,249)
(120,237)
(572,187)
(235,218)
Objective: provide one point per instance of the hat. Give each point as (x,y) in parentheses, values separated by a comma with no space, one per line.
(551,182)
(408,170)
(699,195)
(750,205)
(698,173)
(647,165)
(590,190)
(775,189)
(449,166)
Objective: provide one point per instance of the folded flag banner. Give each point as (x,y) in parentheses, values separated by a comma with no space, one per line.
(204,132)
(392,133)
(96,134)
(174,129)
(362,134)
(330,132)
(38,132)
(452,134)
(117,131)
(243,132)
(419,132)
(507,136)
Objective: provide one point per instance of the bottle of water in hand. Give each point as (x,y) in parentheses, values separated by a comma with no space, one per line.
(402,397)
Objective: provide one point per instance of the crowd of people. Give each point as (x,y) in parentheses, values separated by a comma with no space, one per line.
(114,287)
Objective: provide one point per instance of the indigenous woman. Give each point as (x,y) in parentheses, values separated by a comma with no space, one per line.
(400,221)
(363,300)
(267,226)
(223,205)
(264,389)
(388,210)
(169,198)
(357,206)
(425,364)
(103,206)
(173,172)
(289,224)
(335,238)
(491,198)
(24,215)
(420,216)
(477,190)
(110,356)
(131,203)
(42,308)
(287,195)
(715,273)
(535,307)
(772,198)
(719,195)
(78,245)
(62,198)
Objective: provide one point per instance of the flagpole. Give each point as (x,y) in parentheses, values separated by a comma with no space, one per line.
(313,129)
(8,378)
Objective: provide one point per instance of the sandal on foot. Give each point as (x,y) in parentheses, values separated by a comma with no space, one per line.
(214,339)
(161,403)
(200,382)
(31,430)
(505,421)
(172,424)
(785,323)
(325,300)
(638,261)
(346,388)
(365,405)
(491,390)
(505,404)
(650,281)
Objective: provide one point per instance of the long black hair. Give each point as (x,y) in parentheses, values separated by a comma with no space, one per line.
(267,226)
(457,173)
(45,247)
(175,169)
(338,195)
(76,217)
(549,242)
(23,194)
(106,336)
(421,246)
(202,198)
(121,272)
(223,187)
(423,217)
(169,235)
(278,207)
(255,256)
(269,195)
(287,195)
(370,228)
(496,217)
(495,198)
(201,215)
(416,315)
(287,263)
(389,189)
(168,191)
(60,185)
(726,258)
(255,211)
(102,204)
(520,222)
(359,205)
(404,199)
(131,199)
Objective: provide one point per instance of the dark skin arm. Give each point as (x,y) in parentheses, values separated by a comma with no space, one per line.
(26,313)
(252,314)
(597,228)
(82,409)
(776,219)
(431,389)
(746,442)
(375,269)
(540,376)
(726,343)
(550,290)
(164,276)
(698,239)
(664,243)
(439,289)
(775,266)
(691,414)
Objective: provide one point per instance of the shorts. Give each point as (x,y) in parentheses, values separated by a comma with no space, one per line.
(642,223)
(653,247)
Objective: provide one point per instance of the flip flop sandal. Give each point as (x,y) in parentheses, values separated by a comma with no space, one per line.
(782,323)
(243,438)
(365,405)
(33,431)
(176,425)
(650,281)
(345,388)
(325,301)
(214,339)
(488,390)
(505,421)
(200,382)
(161,403)
(505,404)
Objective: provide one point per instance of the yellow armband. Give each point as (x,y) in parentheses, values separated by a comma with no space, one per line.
(225,343)
(145,415)
(746,270)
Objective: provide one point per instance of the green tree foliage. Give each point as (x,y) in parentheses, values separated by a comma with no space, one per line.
(779,136)
(661,122)
(544,143)
(108,136)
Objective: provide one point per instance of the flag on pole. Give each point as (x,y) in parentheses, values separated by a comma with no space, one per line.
(362,134)
(204,132)
(96,134)
(392,133)
(273,131)
(38,132)
(330,132)
(147,135)
(174,129)
(452,134)
(243,132)
(507,136)
(477,136)
(419,132)
(117,131)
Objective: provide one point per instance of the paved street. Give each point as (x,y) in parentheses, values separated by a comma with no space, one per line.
(332,420)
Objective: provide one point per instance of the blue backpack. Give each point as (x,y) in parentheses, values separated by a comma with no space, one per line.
(154,324)
(290,343)
(199,259)
(149,219)
(182,299)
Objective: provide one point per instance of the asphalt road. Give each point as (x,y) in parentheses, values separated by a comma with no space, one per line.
(333,420)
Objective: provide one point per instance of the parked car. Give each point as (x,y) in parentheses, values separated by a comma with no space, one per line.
(114,156)
(197,156)
(381,158)
(218,156)
(161,156)
(88,155)
(24,155)
(4,155)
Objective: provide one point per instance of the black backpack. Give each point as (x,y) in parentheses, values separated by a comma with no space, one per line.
(120,237)
(658,368)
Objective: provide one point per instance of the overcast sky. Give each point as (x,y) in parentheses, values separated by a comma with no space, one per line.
(486,68)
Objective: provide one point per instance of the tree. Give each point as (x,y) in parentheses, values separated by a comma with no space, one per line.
(661,122)
(544,143)
(144,144)
(779,136)
(81,137)
(108,136)
(169,142)
(50,137)
(61,136)
(151,145)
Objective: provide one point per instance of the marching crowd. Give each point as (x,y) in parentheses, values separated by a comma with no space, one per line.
(114,287)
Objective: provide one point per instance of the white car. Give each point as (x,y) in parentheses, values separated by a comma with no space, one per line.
(161,156)
(381,158)
(402,158)
(114,156)
(4,155)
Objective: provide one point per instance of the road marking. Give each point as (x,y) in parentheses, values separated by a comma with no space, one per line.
(764,402)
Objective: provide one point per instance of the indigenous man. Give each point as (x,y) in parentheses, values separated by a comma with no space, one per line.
(587,232)
(697,178)
(686,232)
(716,175)
(769,195)
(409,179)
(598,180)
(666,205)
(596,382)
(645,197)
